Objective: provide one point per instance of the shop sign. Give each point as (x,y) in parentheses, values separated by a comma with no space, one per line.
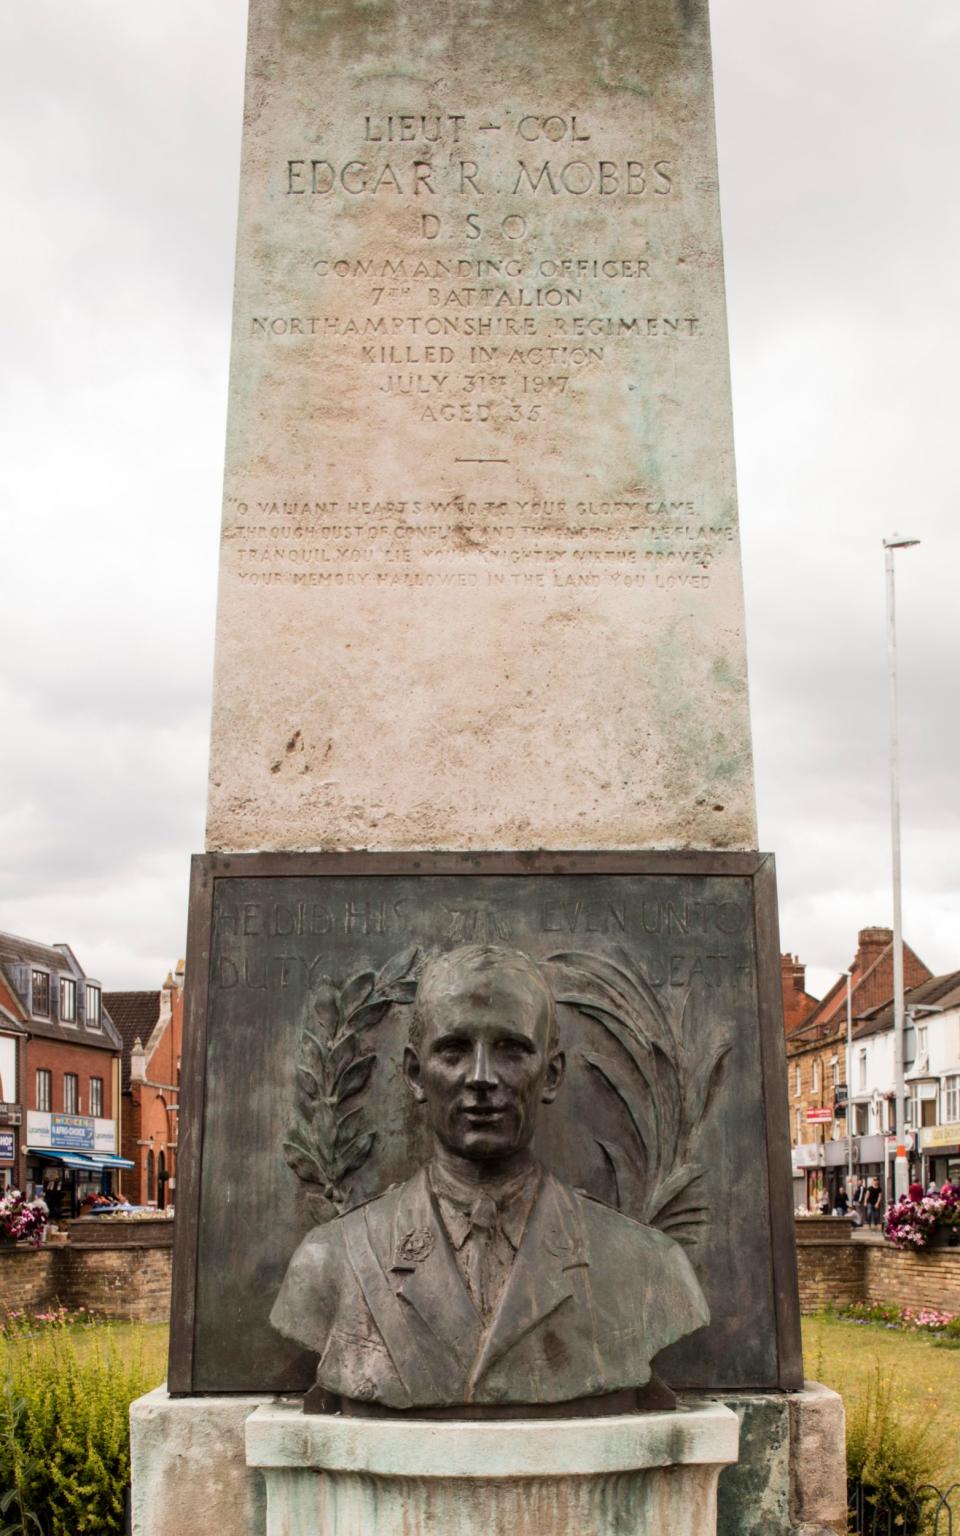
(819,1116)
(940,1136)
(9,1114)
(909,1141)
(70,1133)
(808,1155)
(838,1152)
(8,1147)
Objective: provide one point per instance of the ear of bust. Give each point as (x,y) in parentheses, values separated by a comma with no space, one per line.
(411,1071)
(556,1067)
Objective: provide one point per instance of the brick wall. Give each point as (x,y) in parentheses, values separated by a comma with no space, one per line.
(25,1281)
(929,1279)
(129,1282)
(830,1265)
(836,1268)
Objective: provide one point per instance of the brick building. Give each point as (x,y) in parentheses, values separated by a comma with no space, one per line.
(150,1025)
(817,1069)
(67,1073)
(13,1037)
(798,1003)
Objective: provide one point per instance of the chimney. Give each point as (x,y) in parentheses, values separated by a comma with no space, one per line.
(138,1062)
(796,1003)
(871,943)
(793,974)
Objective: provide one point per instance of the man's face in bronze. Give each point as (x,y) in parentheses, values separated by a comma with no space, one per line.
(485,1061)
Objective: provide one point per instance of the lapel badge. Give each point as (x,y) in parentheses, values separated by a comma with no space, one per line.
(415,1245)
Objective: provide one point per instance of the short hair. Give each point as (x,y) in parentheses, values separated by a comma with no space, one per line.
(476,960)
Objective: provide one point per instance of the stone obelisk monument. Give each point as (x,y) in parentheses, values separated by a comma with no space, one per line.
(483,1022)
(480,573)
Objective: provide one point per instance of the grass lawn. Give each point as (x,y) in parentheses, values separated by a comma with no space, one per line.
(926,1379)
(150,1338)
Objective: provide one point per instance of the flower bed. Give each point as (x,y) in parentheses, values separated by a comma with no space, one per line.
(913,1223)
(943,1325)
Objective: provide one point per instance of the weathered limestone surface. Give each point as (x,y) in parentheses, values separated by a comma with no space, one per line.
(645,1473)
(789,1480)
(480,577)
(188,1470)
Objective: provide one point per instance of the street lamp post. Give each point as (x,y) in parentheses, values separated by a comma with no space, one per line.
(849,1077)
(900,1179)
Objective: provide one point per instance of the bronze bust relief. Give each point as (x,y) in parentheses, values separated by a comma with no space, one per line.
(483,1281)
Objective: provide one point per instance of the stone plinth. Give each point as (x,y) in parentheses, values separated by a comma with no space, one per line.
(187,1469)
(645,1474)
(790,1475)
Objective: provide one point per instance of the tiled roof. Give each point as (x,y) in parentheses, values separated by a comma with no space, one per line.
(15,950)
(135,1015)
(941,991)
(25,952)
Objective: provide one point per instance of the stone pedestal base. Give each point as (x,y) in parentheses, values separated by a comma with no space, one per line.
(190,1472)
(636,1475)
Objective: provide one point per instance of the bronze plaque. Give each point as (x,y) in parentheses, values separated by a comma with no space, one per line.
(301,979)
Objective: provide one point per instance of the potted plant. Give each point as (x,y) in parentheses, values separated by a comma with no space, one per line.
(22,1220)
(933,1222)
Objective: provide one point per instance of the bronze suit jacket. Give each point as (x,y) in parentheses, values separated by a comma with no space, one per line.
(591,1298)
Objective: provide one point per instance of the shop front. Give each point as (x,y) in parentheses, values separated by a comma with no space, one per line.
(10,1117)
(836,1159)
(940,1145)
(71,1157)
(808,1169)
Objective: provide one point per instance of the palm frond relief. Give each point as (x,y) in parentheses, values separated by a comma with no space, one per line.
(662,1081)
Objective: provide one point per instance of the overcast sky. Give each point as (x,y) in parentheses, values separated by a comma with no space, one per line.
(119,148)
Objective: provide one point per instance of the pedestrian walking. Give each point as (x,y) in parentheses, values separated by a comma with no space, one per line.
(873,1202)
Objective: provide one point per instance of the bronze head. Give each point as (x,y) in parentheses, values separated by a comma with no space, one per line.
(484,1051)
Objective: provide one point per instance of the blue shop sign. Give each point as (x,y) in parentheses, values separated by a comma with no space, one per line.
(72,1131)
(8,1147)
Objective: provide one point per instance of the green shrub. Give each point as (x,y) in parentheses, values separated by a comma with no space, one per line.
(64,1439)
(893,1457)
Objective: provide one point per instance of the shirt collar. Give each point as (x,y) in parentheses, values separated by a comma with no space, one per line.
(514,1202)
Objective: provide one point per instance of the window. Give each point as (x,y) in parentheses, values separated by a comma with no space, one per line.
(951,1099)
(44,1088)
(862,1071)
(92,1009)
(910,1108)
(860,1118)
(151,1180)
(798,1121)
(796,1082)
(68,1000)
(815,1078)
(96,1096)
(836,1072)
(40,985)
(71,1096)
(922,1042)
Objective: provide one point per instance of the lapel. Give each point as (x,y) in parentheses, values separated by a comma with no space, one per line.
(424,1272)
(539,1281)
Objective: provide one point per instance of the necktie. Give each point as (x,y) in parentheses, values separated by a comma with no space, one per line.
(489,1268)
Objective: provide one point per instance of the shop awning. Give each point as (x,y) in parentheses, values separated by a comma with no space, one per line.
(91,1163)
